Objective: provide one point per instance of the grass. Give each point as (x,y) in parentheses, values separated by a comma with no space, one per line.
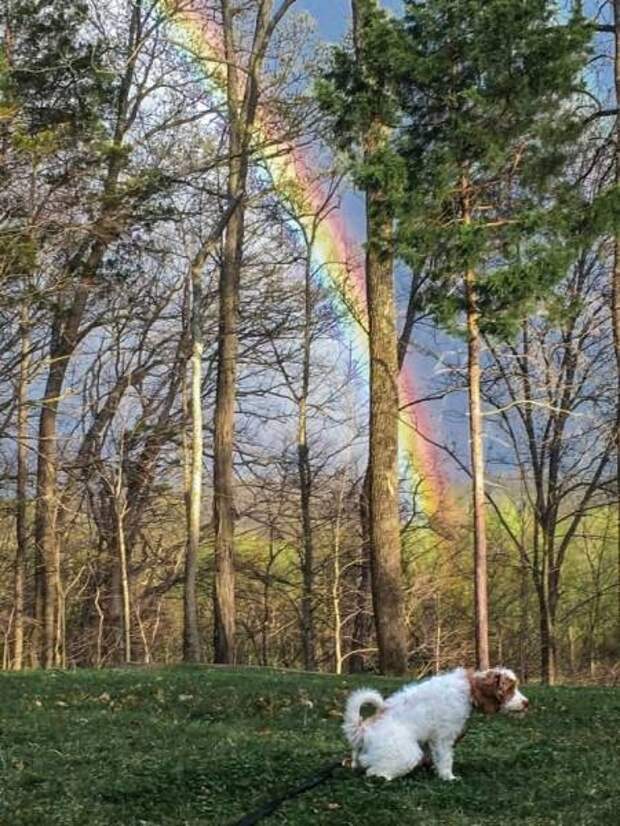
(190,746)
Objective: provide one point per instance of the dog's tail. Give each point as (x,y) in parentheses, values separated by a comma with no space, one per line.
(353,725)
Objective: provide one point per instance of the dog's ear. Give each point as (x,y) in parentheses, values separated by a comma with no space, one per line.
(506,686)
(485,689)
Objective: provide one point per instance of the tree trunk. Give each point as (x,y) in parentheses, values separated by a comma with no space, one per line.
(547,639)
(337,572)
(615,293)
(223,479)
(191,639)
(119,504)
(362,626)
(22,490)
(385,549)
(481,620)
(242,103)
(64,338)
(305,489)
(224,619)
(48,564)
(523,621)
(383,453)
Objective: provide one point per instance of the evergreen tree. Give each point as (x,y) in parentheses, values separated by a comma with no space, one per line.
(488,128)
(358,92)
(52,65)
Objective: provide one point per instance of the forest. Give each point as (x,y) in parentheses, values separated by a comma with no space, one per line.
(310,335)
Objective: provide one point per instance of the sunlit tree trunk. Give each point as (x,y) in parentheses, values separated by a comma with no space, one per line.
(21,553)
(191,639)
(476,436)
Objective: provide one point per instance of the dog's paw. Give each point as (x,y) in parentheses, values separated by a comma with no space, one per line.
(449,778)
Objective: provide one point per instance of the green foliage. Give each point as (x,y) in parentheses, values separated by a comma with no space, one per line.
(488,132)
(359,93)
(198,745)
(475,99)
(51,68)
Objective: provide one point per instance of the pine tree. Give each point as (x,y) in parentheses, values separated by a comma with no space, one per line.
(358,92)
(487,88)
(52,66)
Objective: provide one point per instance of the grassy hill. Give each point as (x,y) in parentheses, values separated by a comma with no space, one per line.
(190,746)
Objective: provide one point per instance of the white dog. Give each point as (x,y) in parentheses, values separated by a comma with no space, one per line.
(431,713)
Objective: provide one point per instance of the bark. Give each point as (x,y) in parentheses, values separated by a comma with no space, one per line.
(362,624)
(383,453)
(223,476)
(337,572)
(481,620)
(548,651)
(362,627)
(21,553)
(47,573)
(191,637)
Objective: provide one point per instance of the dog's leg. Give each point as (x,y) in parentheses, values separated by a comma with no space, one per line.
(397,758)
(443,757)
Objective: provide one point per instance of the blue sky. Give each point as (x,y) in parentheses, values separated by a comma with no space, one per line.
(333,16)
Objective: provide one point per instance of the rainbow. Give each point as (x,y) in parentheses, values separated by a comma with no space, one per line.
(338,264)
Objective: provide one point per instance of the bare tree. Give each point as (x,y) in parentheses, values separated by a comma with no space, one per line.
(550,397)
(242,95)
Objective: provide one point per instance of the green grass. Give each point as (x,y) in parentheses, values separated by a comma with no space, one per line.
(189,746)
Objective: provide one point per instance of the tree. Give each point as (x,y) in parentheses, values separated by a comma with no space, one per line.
(358,92)
(485,91)
(242,98)
(191,639)
(46,48)
(21,493)
(615,284)
(614,29)
(549,389)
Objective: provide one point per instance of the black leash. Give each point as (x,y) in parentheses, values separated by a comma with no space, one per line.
(270,806)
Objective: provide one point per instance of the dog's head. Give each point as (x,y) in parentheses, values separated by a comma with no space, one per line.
(497,690)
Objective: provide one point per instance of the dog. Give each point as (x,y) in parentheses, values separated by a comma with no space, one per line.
(429,714)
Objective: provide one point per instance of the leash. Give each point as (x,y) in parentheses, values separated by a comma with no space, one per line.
(270,806)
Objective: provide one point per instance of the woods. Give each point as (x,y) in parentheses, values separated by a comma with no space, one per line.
(309,351)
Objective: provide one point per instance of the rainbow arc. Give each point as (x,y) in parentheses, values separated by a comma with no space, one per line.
(337,261)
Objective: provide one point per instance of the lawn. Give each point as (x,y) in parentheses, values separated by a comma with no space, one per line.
(191,746)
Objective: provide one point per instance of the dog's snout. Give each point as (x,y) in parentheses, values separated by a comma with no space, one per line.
(526,704)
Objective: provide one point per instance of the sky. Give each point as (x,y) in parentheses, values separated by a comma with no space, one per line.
(333,16)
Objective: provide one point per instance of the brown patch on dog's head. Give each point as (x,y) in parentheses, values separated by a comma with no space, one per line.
(491,689)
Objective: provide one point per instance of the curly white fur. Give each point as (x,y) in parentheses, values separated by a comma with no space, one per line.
(431,713)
